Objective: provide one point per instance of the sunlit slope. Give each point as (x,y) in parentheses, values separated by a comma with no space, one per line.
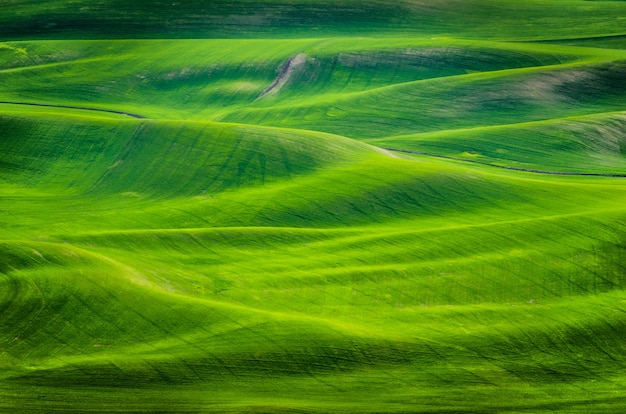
(201,215)
(85,327)
(348,276)
(333,186)
(330,270)
(555,108)
(97,156)
(209,174)
(538,19)
(221,175)
(204,78)
(594,144)
(490,98)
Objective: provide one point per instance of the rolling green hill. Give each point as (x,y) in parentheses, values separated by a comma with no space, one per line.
(312,207)
(535,19)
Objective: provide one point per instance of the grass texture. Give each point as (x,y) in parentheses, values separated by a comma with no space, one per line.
(299,207)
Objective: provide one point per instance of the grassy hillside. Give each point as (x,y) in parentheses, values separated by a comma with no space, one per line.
(308,208)
(536,19)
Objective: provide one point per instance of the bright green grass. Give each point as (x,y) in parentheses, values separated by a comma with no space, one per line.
(586,144)
(243,253)
(330,286)
(462,101)
(341,85)
(203,79)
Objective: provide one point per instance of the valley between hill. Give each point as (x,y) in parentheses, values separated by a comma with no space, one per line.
(305,207)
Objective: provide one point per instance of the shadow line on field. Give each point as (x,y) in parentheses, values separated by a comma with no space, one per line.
(506,167)
(110,111)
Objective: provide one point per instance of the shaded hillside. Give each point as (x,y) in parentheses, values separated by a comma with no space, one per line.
(198,212)
(309,18)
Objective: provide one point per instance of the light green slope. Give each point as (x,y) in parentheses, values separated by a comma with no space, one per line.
(154,350)
(201,79)
(201,215)
(583,144)
(368,89)
(492,98)
(331,286)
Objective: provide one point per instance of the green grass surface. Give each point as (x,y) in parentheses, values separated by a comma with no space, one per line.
(536,19)
(250,246)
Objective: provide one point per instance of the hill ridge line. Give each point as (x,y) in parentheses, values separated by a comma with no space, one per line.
(82,108)
(531,123)
(506,167)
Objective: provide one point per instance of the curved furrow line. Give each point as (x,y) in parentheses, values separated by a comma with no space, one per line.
(506,167)
(81,108)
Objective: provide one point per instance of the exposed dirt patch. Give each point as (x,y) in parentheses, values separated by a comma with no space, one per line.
(294,65)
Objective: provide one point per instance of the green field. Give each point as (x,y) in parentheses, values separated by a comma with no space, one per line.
(305,206)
